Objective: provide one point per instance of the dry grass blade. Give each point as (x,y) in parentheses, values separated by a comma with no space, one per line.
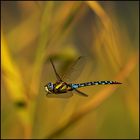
(13,81)
(11,75)
(30,24)
(39,59)
(65,24)
(95,6)
(98,99)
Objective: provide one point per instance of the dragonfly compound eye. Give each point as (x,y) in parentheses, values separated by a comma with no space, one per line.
(50,86)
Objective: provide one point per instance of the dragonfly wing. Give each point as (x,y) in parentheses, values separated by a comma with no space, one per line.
(61,95)
(81,93)
(57,75)
(74,70)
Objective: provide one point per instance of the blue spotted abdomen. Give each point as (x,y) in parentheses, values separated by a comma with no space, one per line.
(74,86)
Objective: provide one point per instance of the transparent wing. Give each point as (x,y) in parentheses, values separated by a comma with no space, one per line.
(74,70)
(57,75)
(61,95)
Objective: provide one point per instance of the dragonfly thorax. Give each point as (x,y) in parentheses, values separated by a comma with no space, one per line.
(60,87)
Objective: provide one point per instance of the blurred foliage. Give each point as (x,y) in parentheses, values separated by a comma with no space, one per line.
(106,32)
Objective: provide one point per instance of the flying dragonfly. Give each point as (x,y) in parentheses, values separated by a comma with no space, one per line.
(64,89)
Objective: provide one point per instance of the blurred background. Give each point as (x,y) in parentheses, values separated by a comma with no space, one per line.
(105,32)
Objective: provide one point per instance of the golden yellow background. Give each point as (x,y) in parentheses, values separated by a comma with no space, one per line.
(106,32)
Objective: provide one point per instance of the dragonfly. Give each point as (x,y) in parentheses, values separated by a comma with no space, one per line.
(62,88)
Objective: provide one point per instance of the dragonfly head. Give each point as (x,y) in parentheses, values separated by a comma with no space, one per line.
(49,87)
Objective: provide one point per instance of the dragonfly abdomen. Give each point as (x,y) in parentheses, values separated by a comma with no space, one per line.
(75,86)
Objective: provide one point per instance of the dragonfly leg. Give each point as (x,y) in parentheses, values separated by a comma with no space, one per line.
(81,93)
